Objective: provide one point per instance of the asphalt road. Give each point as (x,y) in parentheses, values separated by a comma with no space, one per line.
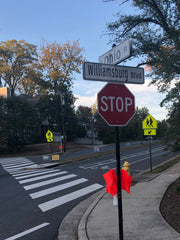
(34,202)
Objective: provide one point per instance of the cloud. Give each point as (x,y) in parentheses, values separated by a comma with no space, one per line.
(145,96)
(85,101)
(87,88)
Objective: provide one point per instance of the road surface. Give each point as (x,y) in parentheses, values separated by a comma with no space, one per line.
(33,202)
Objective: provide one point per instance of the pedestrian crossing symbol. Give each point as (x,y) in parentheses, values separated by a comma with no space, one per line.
(49,136)
(149,125)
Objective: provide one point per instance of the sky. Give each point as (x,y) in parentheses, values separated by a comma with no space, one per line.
(83,20)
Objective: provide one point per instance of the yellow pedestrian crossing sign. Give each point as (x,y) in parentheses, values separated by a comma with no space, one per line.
(149,123)
(49,136)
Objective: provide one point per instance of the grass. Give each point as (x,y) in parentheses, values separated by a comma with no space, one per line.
(164,166)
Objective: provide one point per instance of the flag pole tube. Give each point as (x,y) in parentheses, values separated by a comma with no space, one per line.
(118,167)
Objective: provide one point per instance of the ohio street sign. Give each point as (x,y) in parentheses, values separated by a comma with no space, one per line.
(118,53)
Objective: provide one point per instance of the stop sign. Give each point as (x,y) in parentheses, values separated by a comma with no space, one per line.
(116,104)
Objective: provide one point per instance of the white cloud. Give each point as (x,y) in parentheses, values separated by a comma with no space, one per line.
(85,101)
(145,96)
(87,88)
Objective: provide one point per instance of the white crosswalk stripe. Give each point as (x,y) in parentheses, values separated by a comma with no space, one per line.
(27,172)
(47,186)
(34,174)
(57,188)
(47,182)
(41,177)
(14,166)
(19,235)
(69,197)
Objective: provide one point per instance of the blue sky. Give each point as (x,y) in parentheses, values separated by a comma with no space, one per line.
(83,20)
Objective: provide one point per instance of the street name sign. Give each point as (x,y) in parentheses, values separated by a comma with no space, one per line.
(116,104)
(118,53)
(112,73)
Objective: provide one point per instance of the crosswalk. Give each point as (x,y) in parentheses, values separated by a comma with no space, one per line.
(59,186)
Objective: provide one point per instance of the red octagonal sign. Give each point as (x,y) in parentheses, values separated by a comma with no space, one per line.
(116,104)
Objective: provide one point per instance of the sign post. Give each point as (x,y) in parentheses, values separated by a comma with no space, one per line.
(116,105)
(118,172)
(149,124)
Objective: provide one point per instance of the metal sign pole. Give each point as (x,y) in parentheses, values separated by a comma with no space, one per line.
(118,168)
(150,153)
(51,147)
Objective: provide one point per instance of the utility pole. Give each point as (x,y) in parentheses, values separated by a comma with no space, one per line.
(60,93)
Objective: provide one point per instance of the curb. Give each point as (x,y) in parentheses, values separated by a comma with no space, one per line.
(68,228)
(82,227)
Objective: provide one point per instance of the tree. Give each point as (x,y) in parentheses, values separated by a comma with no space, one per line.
(16,58)
(133,130)
(84,114)
(21,123)
(33,83)
(162,130)
(2,121)
(59,62)
(104,131)
(154,29)
(94,107)
(172,102)
(56,116)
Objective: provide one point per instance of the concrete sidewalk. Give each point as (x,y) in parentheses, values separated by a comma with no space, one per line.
(142,219)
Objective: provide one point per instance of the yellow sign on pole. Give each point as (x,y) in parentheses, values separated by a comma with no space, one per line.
(149,132)
(149,123)
(49,136)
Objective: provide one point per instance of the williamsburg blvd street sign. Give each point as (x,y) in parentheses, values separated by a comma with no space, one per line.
(118,53)
(112,73)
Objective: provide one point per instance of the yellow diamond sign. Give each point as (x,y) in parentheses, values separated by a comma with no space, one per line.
(49,136)
(149,123)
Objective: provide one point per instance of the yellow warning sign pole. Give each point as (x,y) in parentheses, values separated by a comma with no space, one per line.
(149,125)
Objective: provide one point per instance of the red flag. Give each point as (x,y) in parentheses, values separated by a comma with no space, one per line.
(125,181)
(111,182)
